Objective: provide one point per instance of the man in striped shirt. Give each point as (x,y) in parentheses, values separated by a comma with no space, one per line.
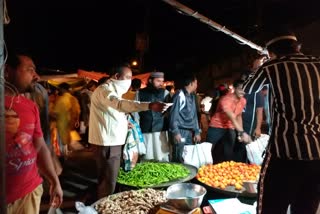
(290,174)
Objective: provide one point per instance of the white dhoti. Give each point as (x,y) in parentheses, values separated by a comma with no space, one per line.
(157,146)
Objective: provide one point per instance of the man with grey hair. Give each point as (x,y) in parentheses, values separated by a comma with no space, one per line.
(108,125)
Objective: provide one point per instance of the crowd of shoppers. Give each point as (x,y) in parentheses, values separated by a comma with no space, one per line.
(282,93)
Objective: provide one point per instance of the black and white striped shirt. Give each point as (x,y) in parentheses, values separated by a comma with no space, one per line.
(295,105)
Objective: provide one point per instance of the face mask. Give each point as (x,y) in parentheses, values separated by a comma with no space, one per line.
(122,86)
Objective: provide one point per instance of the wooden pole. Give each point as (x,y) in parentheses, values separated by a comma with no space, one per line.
(215,25)
(3,207)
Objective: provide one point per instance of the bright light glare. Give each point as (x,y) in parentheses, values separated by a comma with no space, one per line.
(134,63)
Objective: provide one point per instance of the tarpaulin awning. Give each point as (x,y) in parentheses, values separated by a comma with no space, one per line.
(75,83)
(97,75)
(78,79)
(55,76)
(91,74)
(143,77)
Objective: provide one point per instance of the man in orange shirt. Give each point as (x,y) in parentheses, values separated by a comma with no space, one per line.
(225,122)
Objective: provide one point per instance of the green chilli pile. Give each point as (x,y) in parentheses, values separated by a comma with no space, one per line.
(148,174)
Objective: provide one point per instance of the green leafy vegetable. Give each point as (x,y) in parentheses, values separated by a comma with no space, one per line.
(151,173)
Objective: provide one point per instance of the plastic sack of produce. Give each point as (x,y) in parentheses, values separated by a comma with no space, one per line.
(255,149)
(83,209)
(130,152)
(197,155)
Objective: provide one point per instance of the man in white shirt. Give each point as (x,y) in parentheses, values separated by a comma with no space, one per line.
(108,125)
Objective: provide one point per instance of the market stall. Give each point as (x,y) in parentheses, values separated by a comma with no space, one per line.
(145,188)
(148,189)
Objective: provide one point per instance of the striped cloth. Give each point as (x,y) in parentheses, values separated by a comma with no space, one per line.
(294,103)
(137,135)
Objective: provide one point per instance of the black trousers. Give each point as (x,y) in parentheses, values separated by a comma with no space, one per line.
(289,182)
(223,141)
(177,148)
(108,165)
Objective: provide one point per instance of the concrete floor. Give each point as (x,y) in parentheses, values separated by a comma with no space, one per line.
(78,181)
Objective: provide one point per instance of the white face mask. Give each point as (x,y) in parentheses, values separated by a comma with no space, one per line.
(122,86)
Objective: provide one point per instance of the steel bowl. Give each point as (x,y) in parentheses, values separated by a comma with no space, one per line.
(185,196)
(251,186)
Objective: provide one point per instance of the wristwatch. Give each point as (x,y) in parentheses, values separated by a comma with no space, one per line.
(240,133)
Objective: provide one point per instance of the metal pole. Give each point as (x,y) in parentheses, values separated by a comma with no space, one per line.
(213,24)
(3,207)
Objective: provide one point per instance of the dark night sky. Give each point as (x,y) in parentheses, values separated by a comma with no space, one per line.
(95,34)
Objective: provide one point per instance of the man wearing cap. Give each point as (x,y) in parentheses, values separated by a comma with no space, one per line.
(291,170)
(154,125)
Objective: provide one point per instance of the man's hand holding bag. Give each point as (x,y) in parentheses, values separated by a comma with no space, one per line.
(197,155)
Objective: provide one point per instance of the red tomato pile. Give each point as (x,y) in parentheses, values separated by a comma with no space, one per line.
(228,173)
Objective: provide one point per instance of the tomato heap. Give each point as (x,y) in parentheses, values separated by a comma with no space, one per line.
(228,173)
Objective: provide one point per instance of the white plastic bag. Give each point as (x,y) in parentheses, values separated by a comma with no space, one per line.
(82,128)
(197,155)
(54,211)
(256,148)
(83,209)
